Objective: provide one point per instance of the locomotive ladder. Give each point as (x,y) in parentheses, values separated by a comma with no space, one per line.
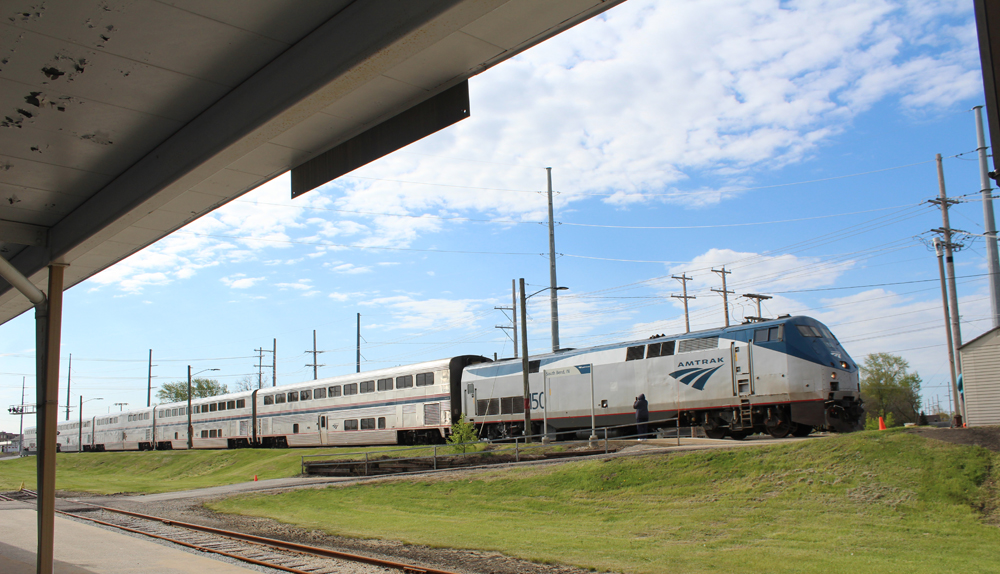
(746,413)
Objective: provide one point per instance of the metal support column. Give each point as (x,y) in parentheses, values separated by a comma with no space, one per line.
(524,365)
(48,331)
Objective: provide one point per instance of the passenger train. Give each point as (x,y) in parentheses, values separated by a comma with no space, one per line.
(783,377)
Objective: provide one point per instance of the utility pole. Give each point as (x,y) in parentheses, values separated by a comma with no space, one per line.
(553,298)
(20,432)
(260,365)
(513,313)
(315,364)
(274,364)
(359,342)
(524,366)
(684,282)
(947,318)
(149,380)
(69,379)
(758,298)
(945,203)
(190,429)
(989,223)
(725,294)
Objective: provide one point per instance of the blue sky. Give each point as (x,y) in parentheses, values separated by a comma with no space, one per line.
(792,142)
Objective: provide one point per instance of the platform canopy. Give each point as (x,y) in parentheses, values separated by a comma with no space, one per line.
(123,120)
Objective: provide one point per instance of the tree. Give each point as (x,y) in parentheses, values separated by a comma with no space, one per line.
(888,390)
(462,431)
(200,388)
(246,383)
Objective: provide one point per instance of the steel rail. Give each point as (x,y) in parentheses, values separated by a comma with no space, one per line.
(274,543)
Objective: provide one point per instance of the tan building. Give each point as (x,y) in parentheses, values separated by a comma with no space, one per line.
(981,379)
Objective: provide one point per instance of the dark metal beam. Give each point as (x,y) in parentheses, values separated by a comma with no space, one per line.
(988,27)
(418,122)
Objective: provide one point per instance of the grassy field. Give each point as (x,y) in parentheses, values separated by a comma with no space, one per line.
(881,502)
(164,471)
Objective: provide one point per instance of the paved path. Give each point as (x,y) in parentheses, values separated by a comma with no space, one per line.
(85,549)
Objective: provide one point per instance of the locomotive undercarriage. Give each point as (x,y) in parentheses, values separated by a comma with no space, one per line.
(779,421)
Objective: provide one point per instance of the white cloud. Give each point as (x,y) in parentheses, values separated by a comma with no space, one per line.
(240,281)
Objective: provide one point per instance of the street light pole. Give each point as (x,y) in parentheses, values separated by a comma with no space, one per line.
(190,426)
(79,437)
(524,366)
(524,355)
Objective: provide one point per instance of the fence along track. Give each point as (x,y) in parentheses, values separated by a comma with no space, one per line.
(268,552)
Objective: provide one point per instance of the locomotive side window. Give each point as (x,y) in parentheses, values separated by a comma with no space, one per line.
(367,424)
(770,335)
(305,395)
(385,384)
(533,366)
(425,379)
(279,398)
(368,387)
(351,425)
(335,391)
(319,393)
(268,399)
(635,353)
(241,404)
(293,396)
(404,382)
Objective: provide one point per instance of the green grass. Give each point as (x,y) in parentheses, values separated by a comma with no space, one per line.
(873,501)
(161,471)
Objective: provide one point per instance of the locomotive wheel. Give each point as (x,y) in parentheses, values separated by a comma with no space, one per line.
(802,430)
(782,429)
(715,433)
(738,435)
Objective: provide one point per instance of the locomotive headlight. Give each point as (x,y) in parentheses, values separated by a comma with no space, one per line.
(844,365)
(833,375)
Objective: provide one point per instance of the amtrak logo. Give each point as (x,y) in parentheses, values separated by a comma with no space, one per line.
(696,377)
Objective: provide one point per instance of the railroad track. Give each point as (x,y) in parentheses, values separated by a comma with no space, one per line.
(267,552)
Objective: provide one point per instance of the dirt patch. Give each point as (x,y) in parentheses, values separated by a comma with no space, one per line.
(986,437)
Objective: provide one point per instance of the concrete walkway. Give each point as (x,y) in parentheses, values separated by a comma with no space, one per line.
(85,549)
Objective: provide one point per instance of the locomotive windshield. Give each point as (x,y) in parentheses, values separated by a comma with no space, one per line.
(817,331)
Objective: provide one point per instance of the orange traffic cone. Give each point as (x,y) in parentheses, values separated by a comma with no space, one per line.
(881,426)
(255,478)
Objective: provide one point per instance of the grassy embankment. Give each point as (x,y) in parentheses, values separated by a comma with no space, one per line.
(165,471)
(880,502)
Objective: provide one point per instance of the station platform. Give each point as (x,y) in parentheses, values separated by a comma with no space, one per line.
(82,548)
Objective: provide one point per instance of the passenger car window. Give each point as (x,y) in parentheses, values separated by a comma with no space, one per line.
(385,384)
(404,382)
(268,399)
(319,393)
(293,396)
(367,424)
(351,389)
(368,387)
(241,403)
(351,425)
(279,398)
(425,379)
(305,395)
(230,405)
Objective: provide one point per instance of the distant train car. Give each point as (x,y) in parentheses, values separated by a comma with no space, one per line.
(400,405)
(782,377)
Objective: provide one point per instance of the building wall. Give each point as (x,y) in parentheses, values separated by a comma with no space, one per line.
(981,379)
